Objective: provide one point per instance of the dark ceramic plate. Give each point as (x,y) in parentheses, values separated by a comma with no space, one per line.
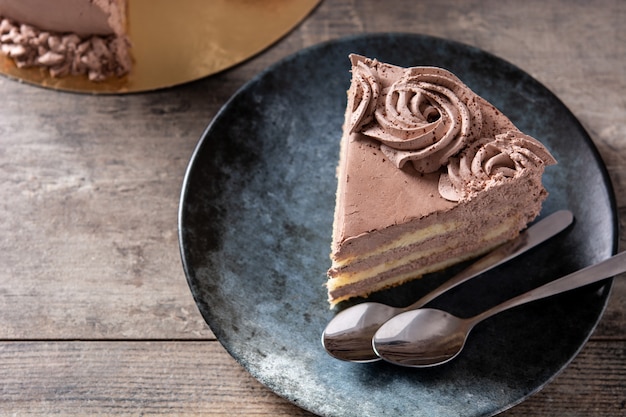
(255,225)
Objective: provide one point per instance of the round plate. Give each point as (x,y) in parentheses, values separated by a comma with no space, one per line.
(181,41)
(255,225)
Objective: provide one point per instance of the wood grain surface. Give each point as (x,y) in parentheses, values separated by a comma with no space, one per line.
(96,317)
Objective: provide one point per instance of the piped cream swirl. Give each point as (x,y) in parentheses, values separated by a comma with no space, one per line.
(426,116)
(363,96)
(490,161)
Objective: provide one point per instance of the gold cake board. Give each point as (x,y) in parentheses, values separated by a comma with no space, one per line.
(177,42)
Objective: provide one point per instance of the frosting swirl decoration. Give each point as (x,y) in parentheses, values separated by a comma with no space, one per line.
(364,95)
(490,161)
(425,117)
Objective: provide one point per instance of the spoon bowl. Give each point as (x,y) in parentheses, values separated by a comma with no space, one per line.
(423,337)
(348,336)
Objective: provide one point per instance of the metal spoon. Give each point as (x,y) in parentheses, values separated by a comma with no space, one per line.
(428,337)
(348,336)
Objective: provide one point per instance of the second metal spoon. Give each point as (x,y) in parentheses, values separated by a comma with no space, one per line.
(428,337)
(348,336)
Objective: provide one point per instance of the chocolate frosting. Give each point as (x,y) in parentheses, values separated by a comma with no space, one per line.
(490,161)
(427,116)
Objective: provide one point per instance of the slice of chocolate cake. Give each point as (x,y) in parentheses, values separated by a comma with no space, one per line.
(430,174)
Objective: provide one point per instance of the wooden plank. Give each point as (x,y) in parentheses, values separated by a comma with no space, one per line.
(130,379)
(199,378)
(89,229)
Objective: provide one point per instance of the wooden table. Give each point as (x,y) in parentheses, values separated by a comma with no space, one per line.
(95,314)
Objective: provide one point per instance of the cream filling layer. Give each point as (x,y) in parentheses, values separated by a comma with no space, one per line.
(345,292)
(345,278)
(404,240)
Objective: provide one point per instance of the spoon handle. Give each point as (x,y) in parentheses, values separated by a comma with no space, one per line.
(528,239)
(603,270)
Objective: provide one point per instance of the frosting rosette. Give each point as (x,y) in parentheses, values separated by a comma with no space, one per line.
(490,161)
(426,116)
(364,93)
